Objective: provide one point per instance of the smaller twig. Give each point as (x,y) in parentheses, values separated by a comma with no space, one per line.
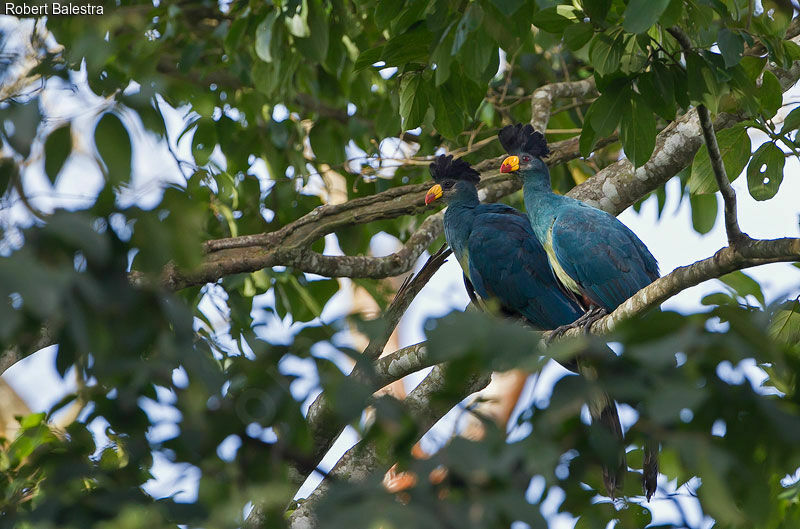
(405,295)
(735,235)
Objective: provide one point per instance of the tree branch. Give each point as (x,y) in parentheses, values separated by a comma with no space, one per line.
(751,252)
(735,235)
(363,459)
(542,100)
(322,422)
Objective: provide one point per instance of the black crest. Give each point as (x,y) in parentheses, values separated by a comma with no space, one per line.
(518,138)
(445,167)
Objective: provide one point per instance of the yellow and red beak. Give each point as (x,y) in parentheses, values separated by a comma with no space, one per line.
(434,193)
(510,164)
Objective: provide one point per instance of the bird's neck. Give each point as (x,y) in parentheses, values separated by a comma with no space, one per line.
(458,220)
(540,201)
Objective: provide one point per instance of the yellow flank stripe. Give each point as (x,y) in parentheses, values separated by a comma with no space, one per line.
(561,274)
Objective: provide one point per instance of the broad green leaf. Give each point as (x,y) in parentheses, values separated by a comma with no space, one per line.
(671,14)
(606,111)
(368,57)
(744,285)
(442,57)
(577,35)
(731,45)
(448,115)
(588,137)
(702,86)
(114,146)
(264,36)
(551,20)
(508,7)
(792,121)
(328,141)
(597,10)
(57,147)
(765,172)
(771,95)
(658,88)
(704,212)
(641,14)
(386,11)
(413,102)
(315,47)
(412,46)
(785,323)
(638,131)
(605,52)
(469,22)
(298,23)
(734,145)
(204,141)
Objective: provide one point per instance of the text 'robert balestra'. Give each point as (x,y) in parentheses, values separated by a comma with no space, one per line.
(51,9)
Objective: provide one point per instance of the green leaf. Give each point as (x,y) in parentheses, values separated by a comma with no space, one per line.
(765,172)
(731,45)
(785,324)
(315,47)
(264,36)
(638,131)
(792,121)
(298,23)
(671,14)
(734,145)
(771,95)
(57,147)
(367,58)
(605,52)
(577,35)
(704,212)
(114,146)
(606,111)
(328,142)
(508,7)
(551,20)
(204,141)
(386,11)
(469,22)
(408,47)
(703,87)
(413,102)
(744,285)
(448,115)
(640,15)
(658,88)
(588,137)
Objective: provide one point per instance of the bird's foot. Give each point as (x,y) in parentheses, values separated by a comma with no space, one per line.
(584,322)
(594,314)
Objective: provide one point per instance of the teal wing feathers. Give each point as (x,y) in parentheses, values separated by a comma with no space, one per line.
(507,262)
(602,255)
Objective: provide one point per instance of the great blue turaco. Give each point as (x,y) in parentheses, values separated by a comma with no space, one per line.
(594,256)
(502,260)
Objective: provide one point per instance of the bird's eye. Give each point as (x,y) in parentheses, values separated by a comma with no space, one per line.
(526,158)
(448,184)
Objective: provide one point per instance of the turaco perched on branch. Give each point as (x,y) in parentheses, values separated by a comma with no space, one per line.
(502,259)
(594,255)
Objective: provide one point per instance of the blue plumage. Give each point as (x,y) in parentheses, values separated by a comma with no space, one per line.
(498,251)
(593,254)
